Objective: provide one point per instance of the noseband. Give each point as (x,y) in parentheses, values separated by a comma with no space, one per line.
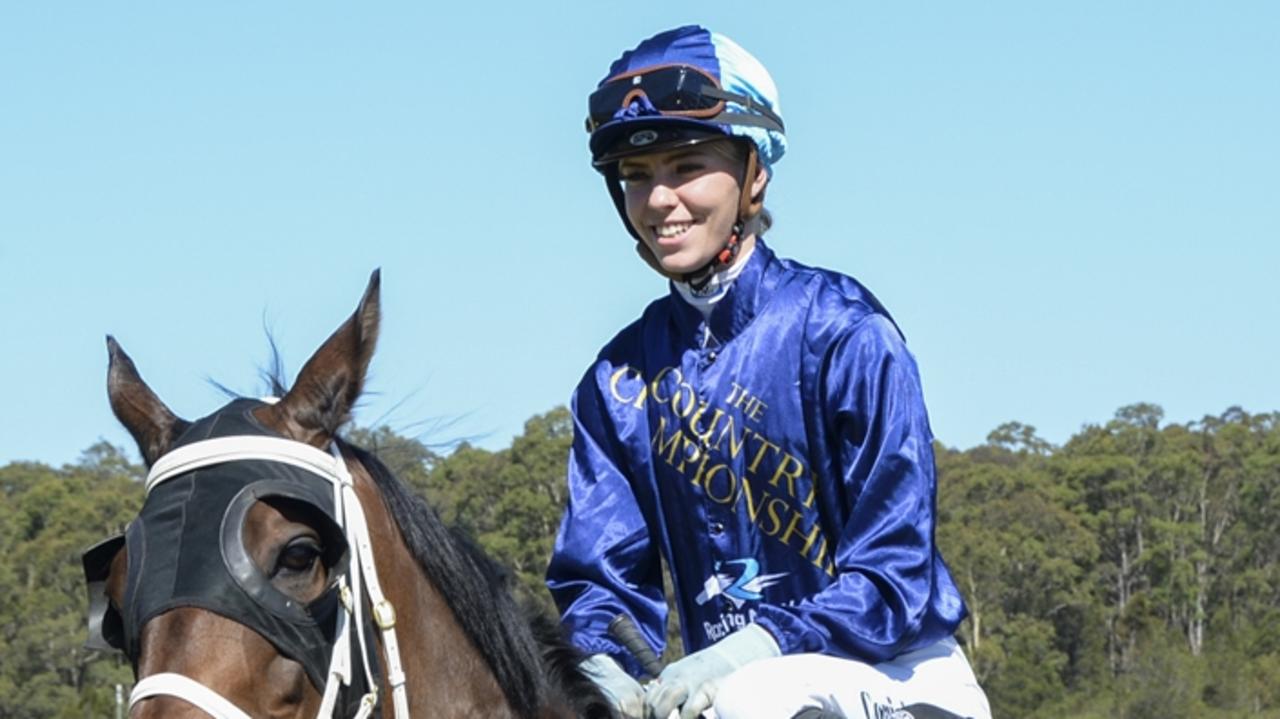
(359,580)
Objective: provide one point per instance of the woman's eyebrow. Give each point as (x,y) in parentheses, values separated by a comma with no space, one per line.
(684,154)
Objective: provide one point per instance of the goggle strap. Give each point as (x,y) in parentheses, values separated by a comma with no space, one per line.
(742,118)
(766,118)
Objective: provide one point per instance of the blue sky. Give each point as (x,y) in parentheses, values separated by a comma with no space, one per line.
(1068,207)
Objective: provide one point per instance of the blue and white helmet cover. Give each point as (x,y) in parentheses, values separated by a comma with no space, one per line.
(736,69)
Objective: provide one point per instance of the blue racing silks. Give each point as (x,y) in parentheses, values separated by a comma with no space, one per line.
(779,457)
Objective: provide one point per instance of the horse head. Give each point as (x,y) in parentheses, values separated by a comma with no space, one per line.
(277,571)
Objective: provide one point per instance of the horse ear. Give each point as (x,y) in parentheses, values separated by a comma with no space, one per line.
(330,382)
(153,426)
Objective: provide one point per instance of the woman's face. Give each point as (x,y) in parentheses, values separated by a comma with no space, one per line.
(683,203)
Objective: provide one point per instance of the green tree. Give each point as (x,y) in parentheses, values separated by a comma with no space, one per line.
(47,519)
(407,458)
(1106,470)
(1021,559)
(1132,572)
(511,500)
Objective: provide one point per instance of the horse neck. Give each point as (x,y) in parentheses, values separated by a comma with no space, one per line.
(445,675)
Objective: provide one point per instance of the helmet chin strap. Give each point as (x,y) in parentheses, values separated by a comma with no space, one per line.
(699,278)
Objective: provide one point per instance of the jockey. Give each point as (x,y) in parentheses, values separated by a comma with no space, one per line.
(760,428)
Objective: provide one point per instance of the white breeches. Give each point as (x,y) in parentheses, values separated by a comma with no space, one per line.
(777,688)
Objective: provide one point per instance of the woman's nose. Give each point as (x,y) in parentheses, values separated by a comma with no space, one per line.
(662,196)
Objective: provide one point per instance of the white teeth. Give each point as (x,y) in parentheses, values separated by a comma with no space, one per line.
(673,229)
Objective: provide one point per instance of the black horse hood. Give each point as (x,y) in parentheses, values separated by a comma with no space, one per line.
(186,549)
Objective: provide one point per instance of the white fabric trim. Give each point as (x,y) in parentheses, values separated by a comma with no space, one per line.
(188,690)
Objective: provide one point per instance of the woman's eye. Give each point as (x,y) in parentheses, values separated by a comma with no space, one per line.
(686,168)
(633,176)
(299,557)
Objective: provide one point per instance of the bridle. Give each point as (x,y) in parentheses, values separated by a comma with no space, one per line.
(360,579)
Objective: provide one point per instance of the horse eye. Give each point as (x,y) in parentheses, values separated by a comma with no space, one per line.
(298,557)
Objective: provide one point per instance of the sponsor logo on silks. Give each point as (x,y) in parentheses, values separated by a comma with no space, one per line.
(745,587)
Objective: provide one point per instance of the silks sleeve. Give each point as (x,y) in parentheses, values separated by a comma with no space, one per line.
(886,598)
(604,562)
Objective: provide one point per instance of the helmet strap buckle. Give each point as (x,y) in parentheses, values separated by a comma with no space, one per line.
(699,278)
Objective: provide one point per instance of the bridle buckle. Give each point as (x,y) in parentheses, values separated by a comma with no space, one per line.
(384,615)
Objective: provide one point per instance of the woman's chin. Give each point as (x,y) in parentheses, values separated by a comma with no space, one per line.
(677,270)
(679,264)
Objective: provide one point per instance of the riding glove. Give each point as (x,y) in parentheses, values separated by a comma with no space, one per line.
(691,683)
(625,693)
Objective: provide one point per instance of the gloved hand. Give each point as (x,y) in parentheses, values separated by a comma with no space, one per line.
(691,683)
(625,693)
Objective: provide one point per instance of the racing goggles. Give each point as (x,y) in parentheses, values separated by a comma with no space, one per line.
(679,91)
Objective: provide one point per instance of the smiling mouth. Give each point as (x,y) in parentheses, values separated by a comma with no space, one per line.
(671,230)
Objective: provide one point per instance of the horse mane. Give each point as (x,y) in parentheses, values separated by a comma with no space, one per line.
(524,648)
(527,651)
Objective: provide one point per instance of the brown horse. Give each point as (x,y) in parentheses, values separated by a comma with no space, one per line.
(274,570)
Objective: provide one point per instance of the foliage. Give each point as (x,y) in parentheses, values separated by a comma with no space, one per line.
(510,501)
(1132,572)
(47,518)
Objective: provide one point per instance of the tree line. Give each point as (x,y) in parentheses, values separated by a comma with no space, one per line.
(1133,571)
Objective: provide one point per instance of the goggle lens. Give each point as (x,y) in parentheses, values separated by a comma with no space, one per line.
(672,90)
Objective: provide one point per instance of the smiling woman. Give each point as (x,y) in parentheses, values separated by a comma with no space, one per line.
(684,202)
(760,428)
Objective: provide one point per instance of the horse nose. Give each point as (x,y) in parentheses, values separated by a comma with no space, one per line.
(195,664)
(187,667)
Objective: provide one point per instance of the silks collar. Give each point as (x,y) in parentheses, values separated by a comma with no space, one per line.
(750,293)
